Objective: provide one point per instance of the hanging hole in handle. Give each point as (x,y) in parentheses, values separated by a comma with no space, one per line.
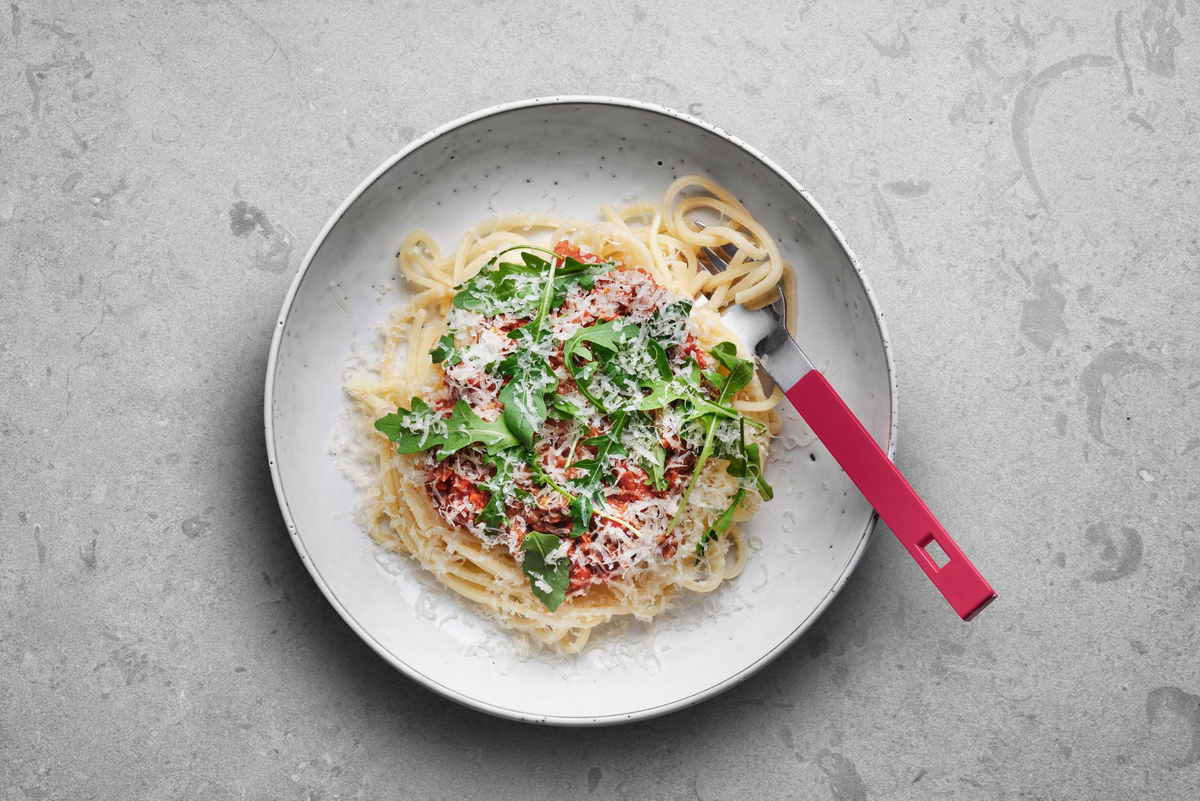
(935,552)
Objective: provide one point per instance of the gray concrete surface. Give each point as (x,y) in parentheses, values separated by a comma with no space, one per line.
(1021,183)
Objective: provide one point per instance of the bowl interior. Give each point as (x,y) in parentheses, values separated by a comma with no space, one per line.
(567,158)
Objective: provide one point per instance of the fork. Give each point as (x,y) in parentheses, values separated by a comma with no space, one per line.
(852,446)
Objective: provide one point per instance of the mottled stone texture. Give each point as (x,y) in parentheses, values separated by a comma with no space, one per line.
(1020,182)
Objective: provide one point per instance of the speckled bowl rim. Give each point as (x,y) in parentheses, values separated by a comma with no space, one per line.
(432,683)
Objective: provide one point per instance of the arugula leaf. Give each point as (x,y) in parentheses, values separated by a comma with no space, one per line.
(667,325)
(656,466)
(507,287)
(416,429)
(696,404)
(643,437)
(749,468)
(625,352)
(548,579)
(420,429)
(542,477)
(524,396)
(630,368)
(584,270)
(726,354)
(745,462)
(494,514)
(531,377)
(498,291)
(684,387)
(444,351)
(722,523)
(588,344)
(597,471)
(466,427)
(634,358)
(741,371)
(661,360)
(609,336)
(561,409)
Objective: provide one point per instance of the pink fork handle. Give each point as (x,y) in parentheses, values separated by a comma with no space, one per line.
(893,498)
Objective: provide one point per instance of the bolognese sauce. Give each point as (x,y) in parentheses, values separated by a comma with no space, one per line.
(632,528)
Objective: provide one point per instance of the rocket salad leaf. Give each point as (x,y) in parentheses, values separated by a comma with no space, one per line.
(592,346)
(549,577)
(494,515)
(741,371)
(561,409)
(531,378)
(745,463)
(596,473)
(722,523)
(421,429)
(524,396)
(444,351)
(656,467)
(736,379)
(508,287)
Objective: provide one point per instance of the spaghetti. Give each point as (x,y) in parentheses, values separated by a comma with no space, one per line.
(559,427)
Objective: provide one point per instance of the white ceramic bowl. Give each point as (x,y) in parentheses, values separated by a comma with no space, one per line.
(568,155)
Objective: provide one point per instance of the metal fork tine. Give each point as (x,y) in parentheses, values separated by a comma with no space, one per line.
(715,261)
(763,328)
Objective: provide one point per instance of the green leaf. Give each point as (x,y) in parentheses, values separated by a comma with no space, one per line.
(596,473)
(745,462)
(632,356)
(741,371)
(584,272)
(726,354)
(561,409)
(684,388)
(668,324)
(444,351)
(524,396)
(466,428)
(531,377)
(643,437)
(722,523)
(602,339)
(661,361)
(414,430)
(609,337)
(582,509)
(533,262)
(508,287)
(421,429)
(738,379)
(656,466)
(754,471)
(624,352)
(494,515)
(541,477)
(548,580)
